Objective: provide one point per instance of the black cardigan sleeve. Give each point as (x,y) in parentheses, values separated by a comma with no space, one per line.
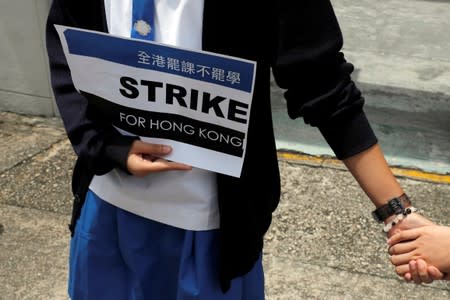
(309,64)
(96,142)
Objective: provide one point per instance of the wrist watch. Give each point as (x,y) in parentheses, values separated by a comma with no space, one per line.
(395,206)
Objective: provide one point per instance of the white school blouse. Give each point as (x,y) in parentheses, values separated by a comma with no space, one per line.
(184,199)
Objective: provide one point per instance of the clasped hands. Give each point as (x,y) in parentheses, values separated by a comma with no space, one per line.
(420,250)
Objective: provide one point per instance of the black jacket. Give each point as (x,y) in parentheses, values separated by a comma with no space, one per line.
(300,41)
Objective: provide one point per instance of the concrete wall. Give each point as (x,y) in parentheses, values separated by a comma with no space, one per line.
(24,78)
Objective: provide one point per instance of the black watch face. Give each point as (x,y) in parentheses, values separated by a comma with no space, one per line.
(376,216)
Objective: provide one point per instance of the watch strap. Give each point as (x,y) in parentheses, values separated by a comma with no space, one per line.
(394,206)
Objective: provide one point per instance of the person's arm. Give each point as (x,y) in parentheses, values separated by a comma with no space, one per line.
(413,249)
(310,66)
(373,174)
(96,142)
(88,132)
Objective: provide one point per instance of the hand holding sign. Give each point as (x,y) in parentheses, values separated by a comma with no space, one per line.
(145,158)
(197,102)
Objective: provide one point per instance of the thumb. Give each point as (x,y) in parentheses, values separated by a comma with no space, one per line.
(436,274)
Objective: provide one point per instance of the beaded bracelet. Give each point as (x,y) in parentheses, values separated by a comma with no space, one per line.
(399,217)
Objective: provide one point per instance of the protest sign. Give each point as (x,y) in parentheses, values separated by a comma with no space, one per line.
(195,101)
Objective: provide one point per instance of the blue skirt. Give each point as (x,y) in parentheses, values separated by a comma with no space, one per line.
(115,254)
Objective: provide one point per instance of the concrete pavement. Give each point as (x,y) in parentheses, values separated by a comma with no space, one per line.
(312,251)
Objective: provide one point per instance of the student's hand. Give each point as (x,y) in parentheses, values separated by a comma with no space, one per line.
(420,272)
(411,221)
(422,254)
(145,158)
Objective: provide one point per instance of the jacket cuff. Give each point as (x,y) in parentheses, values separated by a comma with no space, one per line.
(349,136)
(117,150)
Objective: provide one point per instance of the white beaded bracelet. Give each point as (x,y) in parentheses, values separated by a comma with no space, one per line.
(399,217)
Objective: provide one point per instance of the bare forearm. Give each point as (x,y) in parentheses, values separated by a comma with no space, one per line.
(374,176)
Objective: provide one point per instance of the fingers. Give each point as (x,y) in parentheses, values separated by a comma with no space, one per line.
(435,273)
(407,276)
(402,270)
(165,165)
(413,271)
(401,248)
(419,272)
(140,167)
(145,158)
(402,259)
(148,148)
(422,272)
(406,235)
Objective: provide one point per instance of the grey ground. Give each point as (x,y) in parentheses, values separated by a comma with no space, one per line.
(312,251)
(402,53)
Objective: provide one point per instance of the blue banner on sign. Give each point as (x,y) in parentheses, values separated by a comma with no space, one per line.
(236,74)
